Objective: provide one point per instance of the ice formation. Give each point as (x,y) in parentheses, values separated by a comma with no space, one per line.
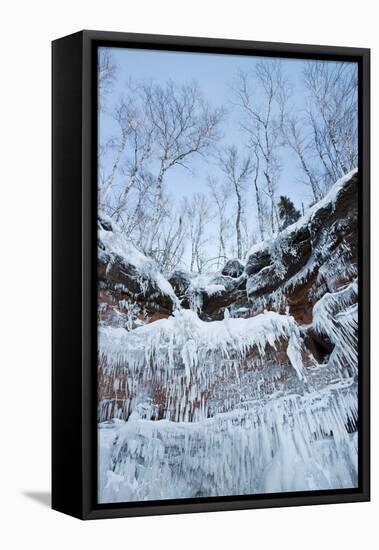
(255,402)
(290,443)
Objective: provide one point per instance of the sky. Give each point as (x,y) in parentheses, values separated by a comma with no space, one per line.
(215,75)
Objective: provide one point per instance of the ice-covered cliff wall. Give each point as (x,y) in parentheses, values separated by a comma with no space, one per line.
(220,383)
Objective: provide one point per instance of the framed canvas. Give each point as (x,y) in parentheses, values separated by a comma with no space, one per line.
(210,275)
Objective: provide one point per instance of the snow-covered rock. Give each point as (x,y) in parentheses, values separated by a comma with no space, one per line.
(237,382)
(233,268)
(316,254)
(128,279)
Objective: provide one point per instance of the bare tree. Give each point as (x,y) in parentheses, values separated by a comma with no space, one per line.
(198,217)
(257,192)
(184,126)
(237,170)
(261,96)
(159,128)
(220,193)
(249,236)
(126,116)
(298,139)
(106,74)
(134,169)
(170,239)
(332,115)
(135,213)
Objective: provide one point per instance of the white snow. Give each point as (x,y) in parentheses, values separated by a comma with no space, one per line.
(157,345)
(329,199)
(288,444)
(202,283)
(117,245)
(244,408)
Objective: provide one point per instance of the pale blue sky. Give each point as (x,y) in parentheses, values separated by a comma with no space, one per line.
(215,74)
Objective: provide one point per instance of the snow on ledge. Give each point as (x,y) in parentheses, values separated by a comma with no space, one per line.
(330,198)
(185,333)
(117,245)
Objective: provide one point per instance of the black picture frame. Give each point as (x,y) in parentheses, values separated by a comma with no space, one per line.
(74,204)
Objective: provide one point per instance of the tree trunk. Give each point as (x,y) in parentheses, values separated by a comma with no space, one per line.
(312,181)
(157,210)
(238,223)
(258,201)
(110,178)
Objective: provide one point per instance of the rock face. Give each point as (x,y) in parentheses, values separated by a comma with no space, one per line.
(129,287)
(310,258)
(306,274)
(233,268)
(217,384)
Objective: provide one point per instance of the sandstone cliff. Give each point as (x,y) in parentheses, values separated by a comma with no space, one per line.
(298,293)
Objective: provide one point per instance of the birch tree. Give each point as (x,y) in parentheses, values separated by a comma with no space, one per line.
(184,127)
(260,97)
(237,171)
(220,194)
(300,141)
(106,75)
(198,217)
(125,116)
(171,240)
(160,128)
(257,191)
(332,115)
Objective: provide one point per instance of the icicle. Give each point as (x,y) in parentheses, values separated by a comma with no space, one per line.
(239,452)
